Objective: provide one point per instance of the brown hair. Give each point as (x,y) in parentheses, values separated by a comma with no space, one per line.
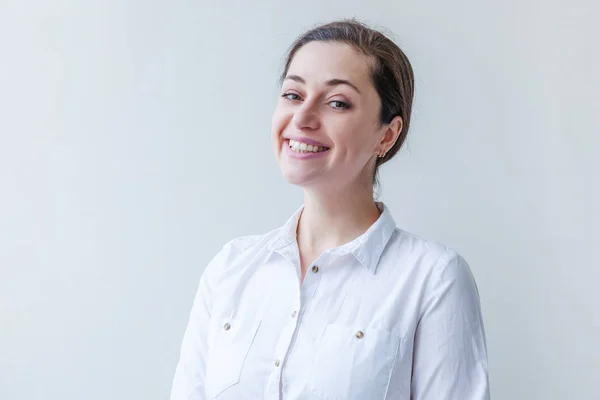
(391,72)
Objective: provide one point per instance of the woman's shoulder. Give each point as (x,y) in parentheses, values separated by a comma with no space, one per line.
(243,244)
(434,257)
(242,248)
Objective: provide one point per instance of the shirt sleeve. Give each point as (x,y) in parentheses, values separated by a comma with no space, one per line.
(189,380)
(449,354)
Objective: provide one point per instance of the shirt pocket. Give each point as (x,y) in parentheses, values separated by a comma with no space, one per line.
(353,363)
(227,353)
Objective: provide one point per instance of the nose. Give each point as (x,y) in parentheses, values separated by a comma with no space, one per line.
(306,117)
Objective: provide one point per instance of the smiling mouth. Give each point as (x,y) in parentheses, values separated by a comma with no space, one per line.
(300,147)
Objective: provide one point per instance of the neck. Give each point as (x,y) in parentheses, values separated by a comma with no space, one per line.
(332,219)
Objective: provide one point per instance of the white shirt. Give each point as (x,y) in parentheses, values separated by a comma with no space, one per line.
(388,315)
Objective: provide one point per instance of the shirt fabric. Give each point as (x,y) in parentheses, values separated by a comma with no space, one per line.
(387,316)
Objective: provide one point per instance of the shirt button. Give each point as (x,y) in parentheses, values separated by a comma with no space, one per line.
(294,314)
(315,269)
(226,326)
(360,335)
(277,362)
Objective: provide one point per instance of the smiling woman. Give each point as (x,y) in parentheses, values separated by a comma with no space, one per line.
(338,303)
(349,93)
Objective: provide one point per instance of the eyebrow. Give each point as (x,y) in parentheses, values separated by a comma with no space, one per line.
(331,82)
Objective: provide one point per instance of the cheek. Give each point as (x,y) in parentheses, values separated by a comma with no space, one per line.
(353,136)
(278,123)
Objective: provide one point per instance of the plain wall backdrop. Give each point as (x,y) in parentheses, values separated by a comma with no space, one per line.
(135,141)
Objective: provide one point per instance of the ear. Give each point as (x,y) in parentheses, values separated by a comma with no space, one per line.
(392,131)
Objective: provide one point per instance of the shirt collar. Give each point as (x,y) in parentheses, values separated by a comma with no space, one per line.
(367,248)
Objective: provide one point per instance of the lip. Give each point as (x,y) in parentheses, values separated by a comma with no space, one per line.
(306,140)
(301,156)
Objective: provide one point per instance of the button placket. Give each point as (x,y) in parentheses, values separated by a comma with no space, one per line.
(286,339)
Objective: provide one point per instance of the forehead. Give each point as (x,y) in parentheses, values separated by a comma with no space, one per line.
(321,61)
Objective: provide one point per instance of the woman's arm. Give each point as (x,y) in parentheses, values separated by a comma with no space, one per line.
(189,379)
(450,356)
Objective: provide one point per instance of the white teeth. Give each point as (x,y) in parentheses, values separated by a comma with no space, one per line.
(301,147)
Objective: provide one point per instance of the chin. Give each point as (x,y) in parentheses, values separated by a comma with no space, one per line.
(295,178)
(298,177)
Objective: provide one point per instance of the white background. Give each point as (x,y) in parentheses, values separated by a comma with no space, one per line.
(134,142)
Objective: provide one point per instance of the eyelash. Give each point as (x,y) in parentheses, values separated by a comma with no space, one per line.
(344,106)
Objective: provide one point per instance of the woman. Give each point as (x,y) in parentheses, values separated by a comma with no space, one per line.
(338,303)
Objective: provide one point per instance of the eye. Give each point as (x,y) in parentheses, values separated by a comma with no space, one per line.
(339,104)
(291,96)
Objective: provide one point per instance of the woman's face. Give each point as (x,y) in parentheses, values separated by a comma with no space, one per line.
(325,128)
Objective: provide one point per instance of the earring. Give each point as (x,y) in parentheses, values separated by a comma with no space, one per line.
(381,155)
